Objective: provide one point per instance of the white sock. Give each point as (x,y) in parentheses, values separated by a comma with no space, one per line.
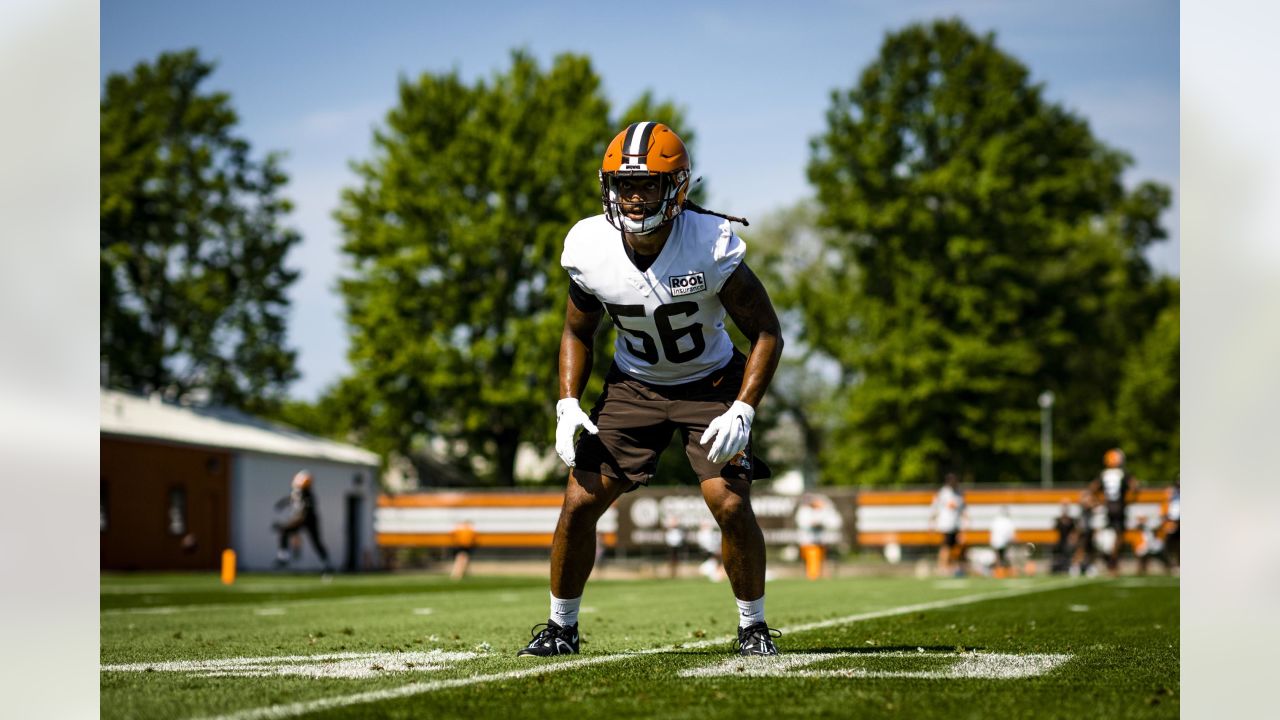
(750,612)
(565,612)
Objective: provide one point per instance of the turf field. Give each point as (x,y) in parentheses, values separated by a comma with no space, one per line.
(410,646)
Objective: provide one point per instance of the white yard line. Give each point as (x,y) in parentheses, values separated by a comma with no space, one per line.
(985,666)
(333,665)
(290,710)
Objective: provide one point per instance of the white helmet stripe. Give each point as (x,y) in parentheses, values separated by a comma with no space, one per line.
(638,140)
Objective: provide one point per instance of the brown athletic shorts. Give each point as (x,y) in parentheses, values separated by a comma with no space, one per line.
(636,420)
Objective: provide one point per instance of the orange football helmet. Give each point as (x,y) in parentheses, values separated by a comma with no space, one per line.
(1113,458)
(645,149)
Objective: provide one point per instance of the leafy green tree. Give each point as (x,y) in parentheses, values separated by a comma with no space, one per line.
(335,413)
(1147,418)
(193,278)
(997,254)
(787,252)
(456,295)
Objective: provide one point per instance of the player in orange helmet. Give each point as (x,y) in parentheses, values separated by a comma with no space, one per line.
(666,272)
(1115,486)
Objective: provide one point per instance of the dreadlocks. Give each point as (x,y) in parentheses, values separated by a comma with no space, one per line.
(691,205)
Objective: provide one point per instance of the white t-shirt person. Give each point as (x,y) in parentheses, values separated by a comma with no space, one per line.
(948,506)
(1002,531)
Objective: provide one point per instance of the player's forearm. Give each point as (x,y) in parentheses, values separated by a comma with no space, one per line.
(766,352)
(575,364)
(576,349)
(747,302)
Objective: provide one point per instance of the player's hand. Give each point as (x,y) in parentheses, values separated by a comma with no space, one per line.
(731,431)
(569,417)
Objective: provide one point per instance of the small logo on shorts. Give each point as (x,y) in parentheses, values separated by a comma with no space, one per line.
(687,284)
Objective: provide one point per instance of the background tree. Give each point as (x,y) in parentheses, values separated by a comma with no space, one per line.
(997,254)
(193,278)
(456,296)
(787,251)
(1147,418)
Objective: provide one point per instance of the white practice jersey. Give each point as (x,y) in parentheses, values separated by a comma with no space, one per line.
(948,505)
(1002,531)
(669,318)
(1113,484)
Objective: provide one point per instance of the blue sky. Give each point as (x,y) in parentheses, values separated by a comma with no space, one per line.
(312,79)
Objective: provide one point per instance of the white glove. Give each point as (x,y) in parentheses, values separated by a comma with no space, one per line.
(731,432)
(569,417)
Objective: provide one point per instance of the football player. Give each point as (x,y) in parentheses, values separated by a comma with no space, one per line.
(1115,485)
(666,272)
(1087,524)
(949,516)
(301,503)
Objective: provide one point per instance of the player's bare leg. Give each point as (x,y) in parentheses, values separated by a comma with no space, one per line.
(573,553)
(742,547)
(742,543)
(573,547)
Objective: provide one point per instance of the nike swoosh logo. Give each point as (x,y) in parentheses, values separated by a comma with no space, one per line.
(717,381)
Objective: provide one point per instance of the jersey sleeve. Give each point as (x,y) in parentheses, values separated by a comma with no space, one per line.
(585,301)
(728,253)
(573,259)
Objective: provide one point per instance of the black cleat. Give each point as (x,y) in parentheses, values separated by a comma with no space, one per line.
(552,639)
(757,639)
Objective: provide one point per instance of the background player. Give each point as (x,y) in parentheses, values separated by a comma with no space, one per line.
(1065,534)
(1115,485)
(1086,551)
(1003,532)
(301,503)
(949,516)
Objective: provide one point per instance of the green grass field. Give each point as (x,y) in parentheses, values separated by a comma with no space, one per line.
(409,646)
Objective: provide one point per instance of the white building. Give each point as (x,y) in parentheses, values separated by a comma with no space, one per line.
(180,484)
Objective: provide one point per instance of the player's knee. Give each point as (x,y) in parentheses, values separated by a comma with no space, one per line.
(581,504)
(730,510)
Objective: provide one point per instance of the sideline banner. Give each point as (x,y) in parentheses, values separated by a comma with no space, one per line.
(644,516)
(640,520)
